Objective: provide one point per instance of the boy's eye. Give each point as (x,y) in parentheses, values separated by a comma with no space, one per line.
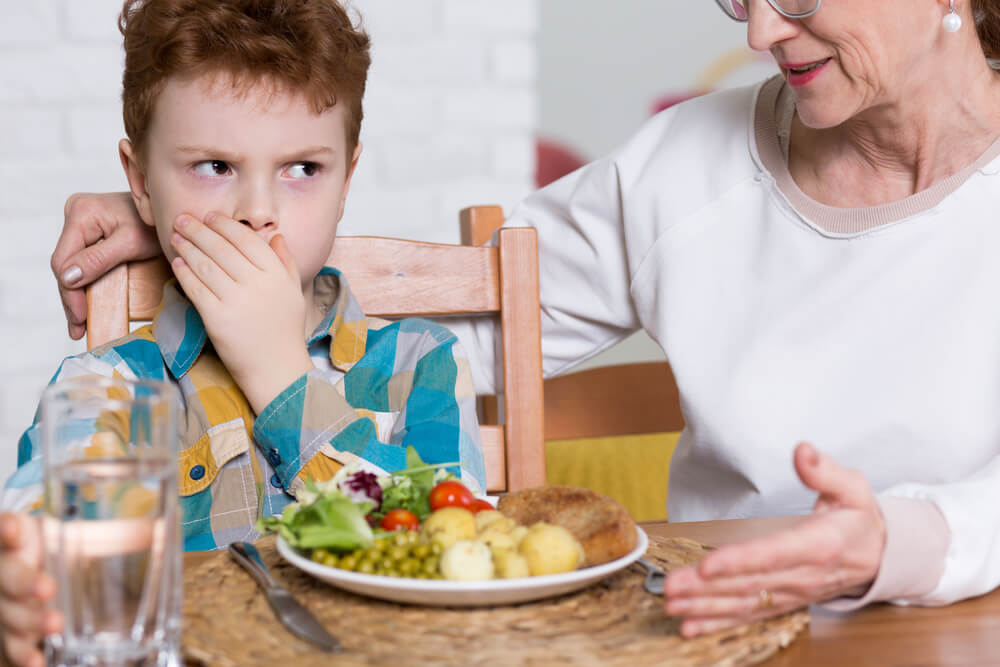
(303,169)
(212,168)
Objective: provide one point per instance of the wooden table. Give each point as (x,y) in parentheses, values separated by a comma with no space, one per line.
(966,633)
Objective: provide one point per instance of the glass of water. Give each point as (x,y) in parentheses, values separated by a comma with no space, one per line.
(111,523)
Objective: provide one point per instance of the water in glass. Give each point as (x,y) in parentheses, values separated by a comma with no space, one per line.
(112,534)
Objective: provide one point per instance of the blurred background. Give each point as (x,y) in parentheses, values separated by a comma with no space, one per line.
(469,102)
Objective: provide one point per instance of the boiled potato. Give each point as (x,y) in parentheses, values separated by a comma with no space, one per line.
(449,525)
(517,534)
(498,533)
(500,525)
(551,549)
(485,518)
(467,560)
(509,563)
(497,539)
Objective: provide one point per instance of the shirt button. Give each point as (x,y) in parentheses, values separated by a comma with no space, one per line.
(197,472)
(274,457)
(275,482)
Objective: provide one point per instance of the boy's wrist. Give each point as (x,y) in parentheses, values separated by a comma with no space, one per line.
(262,384)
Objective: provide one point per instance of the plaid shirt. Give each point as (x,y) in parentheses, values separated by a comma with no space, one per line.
(378,386)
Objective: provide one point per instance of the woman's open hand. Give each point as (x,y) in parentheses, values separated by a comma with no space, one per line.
(25,591)
(836,551)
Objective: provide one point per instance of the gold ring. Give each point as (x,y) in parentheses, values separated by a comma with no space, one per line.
(764,599)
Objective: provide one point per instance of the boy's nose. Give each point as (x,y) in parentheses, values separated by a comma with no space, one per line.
(257,211)
(257,224)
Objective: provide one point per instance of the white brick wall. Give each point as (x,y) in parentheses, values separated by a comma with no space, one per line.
(450,120)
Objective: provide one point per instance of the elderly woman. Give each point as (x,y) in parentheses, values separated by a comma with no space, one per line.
(816,255)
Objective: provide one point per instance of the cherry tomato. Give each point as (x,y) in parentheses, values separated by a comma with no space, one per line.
(451,493)
(478,505)
(400,519)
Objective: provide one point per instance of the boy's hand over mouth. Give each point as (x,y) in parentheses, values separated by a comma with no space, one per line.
(249,295)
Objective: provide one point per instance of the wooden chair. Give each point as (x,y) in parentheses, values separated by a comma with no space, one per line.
(397,278)
(629,413)
(600,402)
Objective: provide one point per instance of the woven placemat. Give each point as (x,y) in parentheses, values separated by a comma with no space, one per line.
(227,621)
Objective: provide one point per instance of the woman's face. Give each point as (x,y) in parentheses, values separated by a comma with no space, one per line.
(852,55)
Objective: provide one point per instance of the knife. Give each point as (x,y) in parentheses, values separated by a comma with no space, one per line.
(289,611)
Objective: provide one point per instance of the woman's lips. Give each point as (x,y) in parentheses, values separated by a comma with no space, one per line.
(799,74)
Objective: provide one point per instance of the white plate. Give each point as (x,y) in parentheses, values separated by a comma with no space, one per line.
(438,592)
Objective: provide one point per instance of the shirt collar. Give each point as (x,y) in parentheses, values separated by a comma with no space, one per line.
(180,332)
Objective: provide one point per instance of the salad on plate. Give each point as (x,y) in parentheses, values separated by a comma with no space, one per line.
(421,522)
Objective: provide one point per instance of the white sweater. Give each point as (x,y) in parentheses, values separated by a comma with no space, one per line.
(872,333)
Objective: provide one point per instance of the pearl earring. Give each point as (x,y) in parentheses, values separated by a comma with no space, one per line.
(952,22)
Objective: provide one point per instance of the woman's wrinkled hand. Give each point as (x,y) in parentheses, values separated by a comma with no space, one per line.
(100,231)
(25,592)
(834,552)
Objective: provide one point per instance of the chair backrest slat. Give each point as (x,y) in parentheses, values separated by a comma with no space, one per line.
(393,278)
(625,399)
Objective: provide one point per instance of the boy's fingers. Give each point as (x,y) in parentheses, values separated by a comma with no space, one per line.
(10,531)
(200,295)
(23,618)
(208,238)
(23,650)
(242,237)
(52,622)
(280,248)
(202,267)
(17,579)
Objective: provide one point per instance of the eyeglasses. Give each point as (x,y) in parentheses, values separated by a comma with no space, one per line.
(739,10)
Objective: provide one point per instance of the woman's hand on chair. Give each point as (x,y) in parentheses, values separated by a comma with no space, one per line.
(836,551)
(100,232)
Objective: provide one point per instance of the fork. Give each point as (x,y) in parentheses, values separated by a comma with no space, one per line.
(655,577)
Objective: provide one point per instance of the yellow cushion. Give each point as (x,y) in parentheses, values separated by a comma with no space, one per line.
(632,469)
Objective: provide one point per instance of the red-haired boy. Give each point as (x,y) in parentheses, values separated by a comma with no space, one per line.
(243,119)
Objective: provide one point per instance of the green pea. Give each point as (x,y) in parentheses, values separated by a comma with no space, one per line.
(380,544)
(366,567)
(330,560)
(430,565)
(319,555)
(386,563)
(436,548)
(408,566)
(412,537)
(399,539)
(348,562)
(397,553)
(421,550)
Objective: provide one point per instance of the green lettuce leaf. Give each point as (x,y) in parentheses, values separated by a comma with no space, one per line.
(333,522)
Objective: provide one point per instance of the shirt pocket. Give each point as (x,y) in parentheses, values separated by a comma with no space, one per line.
(199,464)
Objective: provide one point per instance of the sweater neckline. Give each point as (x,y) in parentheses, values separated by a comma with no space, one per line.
(833,219)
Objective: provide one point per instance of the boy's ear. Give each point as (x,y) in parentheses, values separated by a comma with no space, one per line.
(347,181)
(136,180)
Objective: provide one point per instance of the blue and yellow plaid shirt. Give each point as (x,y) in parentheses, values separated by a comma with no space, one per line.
(378,386)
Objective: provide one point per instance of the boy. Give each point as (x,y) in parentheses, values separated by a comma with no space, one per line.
(242,120)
